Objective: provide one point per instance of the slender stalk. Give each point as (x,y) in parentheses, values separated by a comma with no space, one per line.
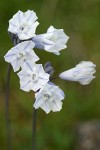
(7,115)
(7,90)
(34,129)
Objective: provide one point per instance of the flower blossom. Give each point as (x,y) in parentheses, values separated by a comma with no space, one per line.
(32,76)
(49,98)
(52,41)
(83,73)
(21,53)
(23,24)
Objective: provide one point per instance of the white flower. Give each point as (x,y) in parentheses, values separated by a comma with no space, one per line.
(52,41)
(83,73)
(32,76)
(21,53)
(23,24)
(49,98)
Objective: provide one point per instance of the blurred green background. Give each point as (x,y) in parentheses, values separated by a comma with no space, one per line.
(55,131)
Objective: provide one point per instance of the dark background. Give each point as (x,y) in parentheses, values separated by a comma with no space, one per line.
(55,131)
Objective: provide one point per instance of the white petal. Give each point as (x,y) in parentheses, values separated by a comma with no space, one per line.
(32,29)
(38,103)
(28,67)
(68,75)
(30,16)
(42,74)
(16,65)
(10,56)
(60,94)
(25,85)
(51,29)
(35,86)
(12,27)
(45,106)
(41,82)
(56,105)
(16,20)
(26,46)
(86,64)
(32,56)
(40,69)
(86,80)
(23,75)
(23,36)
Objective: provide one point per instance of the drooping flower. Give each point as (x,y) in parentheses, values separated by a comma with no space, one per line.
(52,41)
(32,76)
(21,53)
(83,73)
(23,24)
(49,98)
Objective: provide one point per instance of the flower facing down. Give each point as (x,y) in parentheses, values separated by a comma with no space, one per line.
(23,24)
(21,53)
(83,73)
(49,98)
(52,41)
(32,76)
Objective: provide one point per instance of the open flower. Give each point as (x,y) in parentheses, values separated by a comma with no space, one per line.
(23,24)
(52,41)
(83,73)
(21,53)
(49,98)
(32,76)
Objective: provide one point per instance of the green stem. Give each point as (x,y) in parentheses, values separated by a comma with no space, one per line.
(34,129)
(7,114)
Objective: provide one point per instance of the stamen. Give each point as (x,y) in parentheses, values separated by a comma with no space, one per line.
(46,96)
(22,28)
(20,55)
(33,77)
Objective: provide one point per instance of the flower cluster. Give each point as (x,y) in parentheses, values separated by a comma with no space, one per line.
(33,76)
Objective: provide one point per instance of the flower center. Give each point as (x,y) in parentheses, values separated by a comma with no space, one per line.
(21,28)
(46,96)
(33,76)
(20,55)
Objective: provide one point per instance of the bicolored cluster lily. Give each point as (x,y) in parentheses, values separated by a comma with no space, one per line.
(34,76)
